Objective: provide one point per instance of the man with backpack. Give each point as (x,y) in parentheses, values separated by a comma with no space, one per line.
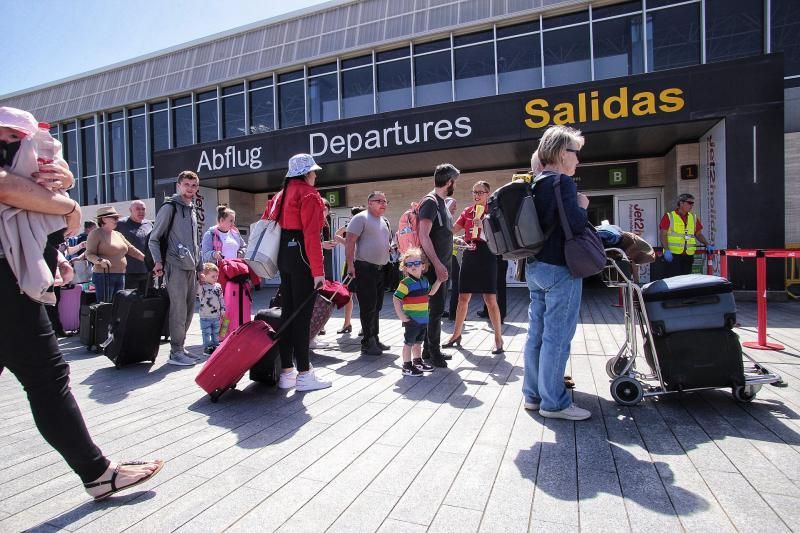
(176,254)
(435,231)
(367,252)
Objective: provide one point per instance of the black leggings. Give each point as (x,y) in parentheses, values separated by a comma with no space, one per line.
(296,285)
(30,351)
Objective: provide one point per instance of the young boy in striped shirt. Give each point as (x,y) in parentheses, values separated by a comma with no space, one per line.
(411,305)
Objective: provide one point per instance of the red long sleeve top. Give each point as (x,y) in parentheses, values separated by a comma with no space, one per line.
(303,210)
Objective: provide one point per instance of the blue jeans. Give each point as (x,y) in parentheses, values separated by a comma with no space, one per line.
(552,319)
(209,327)
(105,293)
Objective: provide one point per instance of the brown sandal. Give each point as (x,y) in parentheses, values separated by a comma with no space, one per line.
(569,382)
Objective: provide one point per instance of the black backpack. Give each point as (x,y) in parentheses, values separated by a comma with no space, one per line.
(163,242)
(511,226)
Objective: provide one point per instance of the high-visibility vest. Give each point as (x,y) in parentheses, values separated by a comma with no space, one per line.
(680,234)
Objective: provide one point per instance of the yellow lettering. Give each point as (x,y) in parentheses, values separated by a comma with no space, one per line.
(534,109)
(671,100)
(581,107)
(565,114)
(645,104)
(595,106)
(621,102)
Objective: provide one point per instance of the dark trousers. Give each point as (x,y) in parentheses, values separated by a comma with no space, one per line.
(297,284)
(455,272)
(52,312)
(681,264)
(370,297)
(432,348)
(30,351)
(136,281)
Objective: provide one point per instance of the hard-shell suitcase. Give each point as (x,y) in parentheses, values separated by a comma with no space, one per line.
(69,308)
(240,351)
(691,301)
(699,358)
(268,369)
(136,323)
(237,304)
(95,319)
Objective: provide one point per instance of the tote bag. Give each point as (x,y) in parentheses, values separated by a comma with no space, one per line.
(584,252)
(265,240)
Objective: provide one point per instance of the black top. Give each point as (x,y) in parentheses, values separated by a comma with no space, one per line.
(442,229)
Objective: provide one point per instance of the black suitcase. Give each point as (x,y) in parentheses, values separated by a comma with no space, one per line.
(136,324)
(699,358)
(95,319)
(268,368)
(689,302)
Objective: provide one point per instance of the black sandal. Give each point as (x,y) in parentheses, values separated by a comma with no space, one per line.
(346,329)
(114,488)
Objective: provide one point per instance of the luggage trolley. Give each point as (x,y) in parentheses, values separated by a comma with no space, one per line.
(630,385)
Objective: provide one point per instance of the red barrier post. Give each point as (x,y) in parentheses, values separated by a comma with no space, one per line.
(709,263)
(723,264)
(761,300)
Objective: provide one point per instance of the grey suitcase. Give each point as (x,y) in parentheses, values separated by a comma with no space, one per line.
(692,301)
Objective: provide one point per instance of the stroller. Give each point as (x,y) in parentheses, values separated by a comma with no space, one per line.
(630,384)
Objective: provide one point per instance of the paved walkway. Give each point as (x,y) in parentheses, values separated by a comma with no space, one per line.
(454,451)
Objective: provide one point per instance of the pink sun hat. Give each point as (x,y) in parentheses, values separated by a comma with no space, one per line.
(17,119)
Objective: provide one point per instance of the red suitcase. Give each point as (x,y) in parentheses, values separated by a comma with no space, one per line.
(237,304)
(240,350)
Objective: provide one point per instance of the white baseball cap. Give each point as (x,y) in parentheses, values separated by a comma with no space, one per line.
(301,164)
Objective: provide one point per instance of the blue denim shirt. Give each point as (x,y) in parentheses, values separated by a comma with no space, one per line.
(547,208)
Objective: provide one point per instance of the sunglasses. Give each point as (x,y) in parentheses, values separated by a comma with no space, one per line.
(573,150)
(480,192)
(413,264)
(690,202)
(380,201)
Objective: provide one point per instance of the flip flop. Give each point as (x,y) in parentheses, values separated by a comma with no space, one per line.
(569,382)
(114,488)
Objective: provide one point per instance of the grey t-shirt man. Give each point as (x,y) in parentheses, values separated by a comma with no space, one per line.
(374,238)
(442,229)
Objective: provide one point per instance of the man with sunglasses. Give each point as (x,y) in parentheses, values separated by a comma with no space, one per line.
(367,252)
(680,231)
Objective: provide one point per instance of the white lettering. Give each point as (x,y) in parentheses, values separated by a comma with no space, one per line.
(443,127)
(204,162)
(324,149)
(465,130)
(230,158)
(353,148)
(337,144)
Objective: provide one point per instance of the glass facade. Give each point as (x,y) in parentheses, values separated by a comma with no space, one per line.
(112,152)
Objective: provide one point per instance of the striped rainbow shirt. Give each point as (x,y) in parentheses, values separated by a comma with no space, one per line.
(414,294)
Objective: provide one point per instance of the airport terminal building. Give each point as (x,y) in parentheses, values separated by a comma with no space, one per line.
(699,96)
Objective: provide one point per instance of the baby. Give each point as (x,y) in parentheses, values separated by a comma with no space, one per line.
(19,133)
(411,305)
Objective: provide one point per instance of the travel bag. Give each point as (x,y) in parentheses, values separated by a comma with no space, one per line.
(267,370)
(94,322)
(511,225)
(239,352)
(136,326)
(698,358)
(691,301)
(69,307)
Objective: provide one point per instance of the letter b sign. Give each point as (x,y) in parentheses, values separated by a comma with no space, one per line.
(617,176)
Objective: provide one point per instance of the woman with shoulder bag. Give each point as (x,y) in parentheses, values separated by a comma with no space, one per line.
(300,215)
(555,293)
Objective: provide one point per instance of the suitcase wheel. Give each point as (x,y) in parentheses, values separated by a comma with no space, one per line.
(214,396)
(745,393)
(615,366)
(627,391)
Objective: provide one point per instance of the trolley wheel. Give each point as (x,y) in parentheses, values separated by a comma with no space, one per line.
(745,393)
(214,396)
(627,391)
(615,366)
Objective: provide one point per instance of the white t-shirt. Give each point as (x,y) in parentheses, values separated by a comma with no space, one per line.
(230,245)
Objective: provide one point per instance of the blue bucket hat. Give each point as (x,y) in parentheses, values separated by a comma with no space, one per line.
(301,164)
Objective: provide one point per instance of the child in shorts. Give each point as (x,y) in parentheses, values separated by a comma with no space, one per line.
(411,305)
(212,306)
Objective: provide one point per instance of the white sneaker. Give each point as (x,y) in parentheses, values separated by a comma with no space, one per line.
(531,406)
(573,412)
(309,381)
(287,380)
(178,359)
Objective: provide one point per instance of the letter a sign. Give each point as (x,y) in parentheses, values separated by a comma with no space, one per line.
(617,176)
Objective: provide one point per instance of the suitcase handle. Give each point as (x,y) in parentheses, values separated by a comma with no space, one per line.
(285,323)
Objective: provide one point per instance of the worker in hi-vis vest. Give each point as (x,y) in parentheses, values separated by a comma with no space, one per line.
(680,232)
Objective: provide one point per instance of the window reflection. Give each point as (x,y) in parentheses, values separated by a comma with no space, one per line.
(323,98)
(207,119)
(262,111)
(233,116)
(519,64)
(183,133)
(394,85)
(673,37)
(137,142)
(618,47)
(291,105)
(138,183)
(786,33)
(357,92)
(159,131)
(474,71)
(116,187)
(116,146)
(566,56)
(433,79)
